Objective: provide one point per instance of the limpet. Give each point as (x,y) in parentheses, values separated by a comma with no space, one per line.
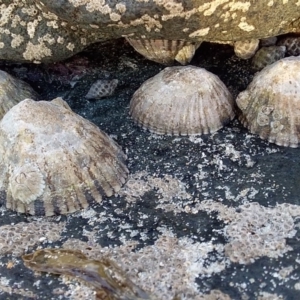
(182,101)
(270,106)
(267,55)
(52,161)
(12,91)
(292,44)
(246,49)
(165,51)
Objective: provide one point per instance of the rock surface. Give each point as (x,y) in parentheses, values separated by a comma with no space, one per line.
(191,205)
(32,30)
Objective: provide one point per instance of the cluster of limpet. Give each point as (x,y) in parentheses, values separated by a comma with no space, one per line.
(52,161)
(182,101)
(270,106)
(12,91)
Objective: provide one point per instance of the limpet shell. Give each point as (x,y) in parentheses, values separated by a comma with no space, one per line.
(246,49)
(52,161)
(165,51)
(12,91)
(270,106)
(182,101)
(102,88)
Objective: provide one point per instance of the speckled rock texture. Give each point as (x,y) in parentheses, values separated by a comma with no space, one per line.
(54,30)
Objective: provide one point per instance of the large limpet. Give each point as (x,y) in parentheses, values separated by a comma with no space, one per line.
(182,101)
(270,106)
(12,91)
(52,161)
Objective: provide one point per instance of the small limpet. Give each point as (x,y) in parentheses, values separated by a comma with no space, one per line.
(182,101)
(270,106)
(246,49)
(102,88)
(12,91)
(52,161)
(165,51)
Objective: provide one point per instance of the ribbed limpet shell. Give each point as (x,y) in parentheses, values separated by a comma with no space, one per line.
(52,161)
(12,91)
(182,101)
(165,51)
(270,106)
(246,49)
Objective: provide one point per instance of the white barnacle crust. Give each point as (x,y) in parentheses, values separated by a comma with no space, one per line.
(245,26)
(200,32)
(36,52)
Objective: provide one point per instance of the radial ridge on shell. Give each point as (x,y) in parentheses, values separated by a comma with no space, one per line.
(182,101)
(270,106)
(53,161)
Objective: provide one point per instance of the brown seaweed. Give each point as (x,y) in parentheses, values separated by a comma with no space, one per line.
(109,281)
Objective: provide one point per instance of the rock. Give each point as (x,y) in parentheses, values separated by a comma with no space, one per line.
(48,31)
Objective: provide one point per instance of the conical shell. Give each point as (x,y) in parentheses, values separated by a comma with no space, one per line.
(270,106)
(52,161)
(102,88)
(182,101)
(246,49)
(12,91)
(165,51)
